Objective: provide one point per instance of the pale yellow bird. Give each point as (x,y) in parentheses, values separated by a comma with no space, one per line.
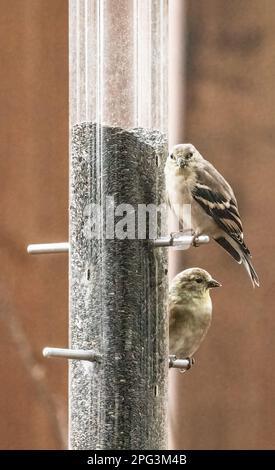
(190,311)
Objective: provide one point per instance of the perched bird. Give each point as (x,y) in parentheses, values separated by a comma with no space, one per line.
(190,179)
(190,311)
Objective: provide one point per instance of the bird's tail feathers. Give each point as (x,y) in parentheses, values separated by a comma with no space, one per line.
(250,269)
(241,254)
(231,250)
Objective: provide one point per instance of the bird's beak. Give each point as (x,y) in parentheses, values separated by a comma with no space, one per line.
(213,283)
(181,162)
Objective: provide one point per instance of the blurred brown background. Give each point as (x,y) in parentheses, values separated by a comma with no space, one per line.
(227,400)
(33,208)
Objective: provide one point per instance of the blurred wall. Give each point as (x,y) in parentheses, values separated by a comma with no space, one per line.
(227,400)
(33,208)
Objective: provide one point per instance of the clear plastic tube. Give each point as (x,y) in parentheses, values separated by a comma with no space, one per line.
(118,117)
(118,62)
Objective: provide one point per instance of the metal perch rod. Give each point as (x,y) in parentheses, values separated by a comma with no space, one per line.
(171,240)
(80,354)
(178,239)
(89,355)
(183,364)
(41,248)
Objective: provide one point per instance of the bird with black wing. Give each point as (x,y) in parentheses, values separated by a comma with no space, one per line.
(190,179)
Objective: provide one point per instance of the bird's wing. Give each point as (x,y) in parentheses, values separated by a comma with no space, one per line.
(216,197)
(180,308)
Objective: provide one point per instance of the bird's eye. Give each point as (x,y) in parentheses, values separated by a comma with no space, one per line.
(199,280)
(189,155)
(172,156)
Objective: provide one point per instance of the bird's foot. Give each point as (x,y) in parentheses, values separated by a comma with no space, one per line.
(191,361)
(195,240)
(183,231)
(177,239)
(188,232)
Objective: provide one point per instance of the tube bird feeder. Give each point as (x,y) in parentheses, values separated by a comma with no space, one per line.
(118,278)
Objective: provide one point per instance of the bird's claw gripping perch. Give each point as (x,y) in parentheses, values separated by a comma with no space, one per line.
(191,362)
(184,238)
(195,241)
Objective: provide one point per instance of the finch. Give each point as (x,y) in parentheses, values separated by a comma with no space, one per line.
(190,179)
(190,311)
